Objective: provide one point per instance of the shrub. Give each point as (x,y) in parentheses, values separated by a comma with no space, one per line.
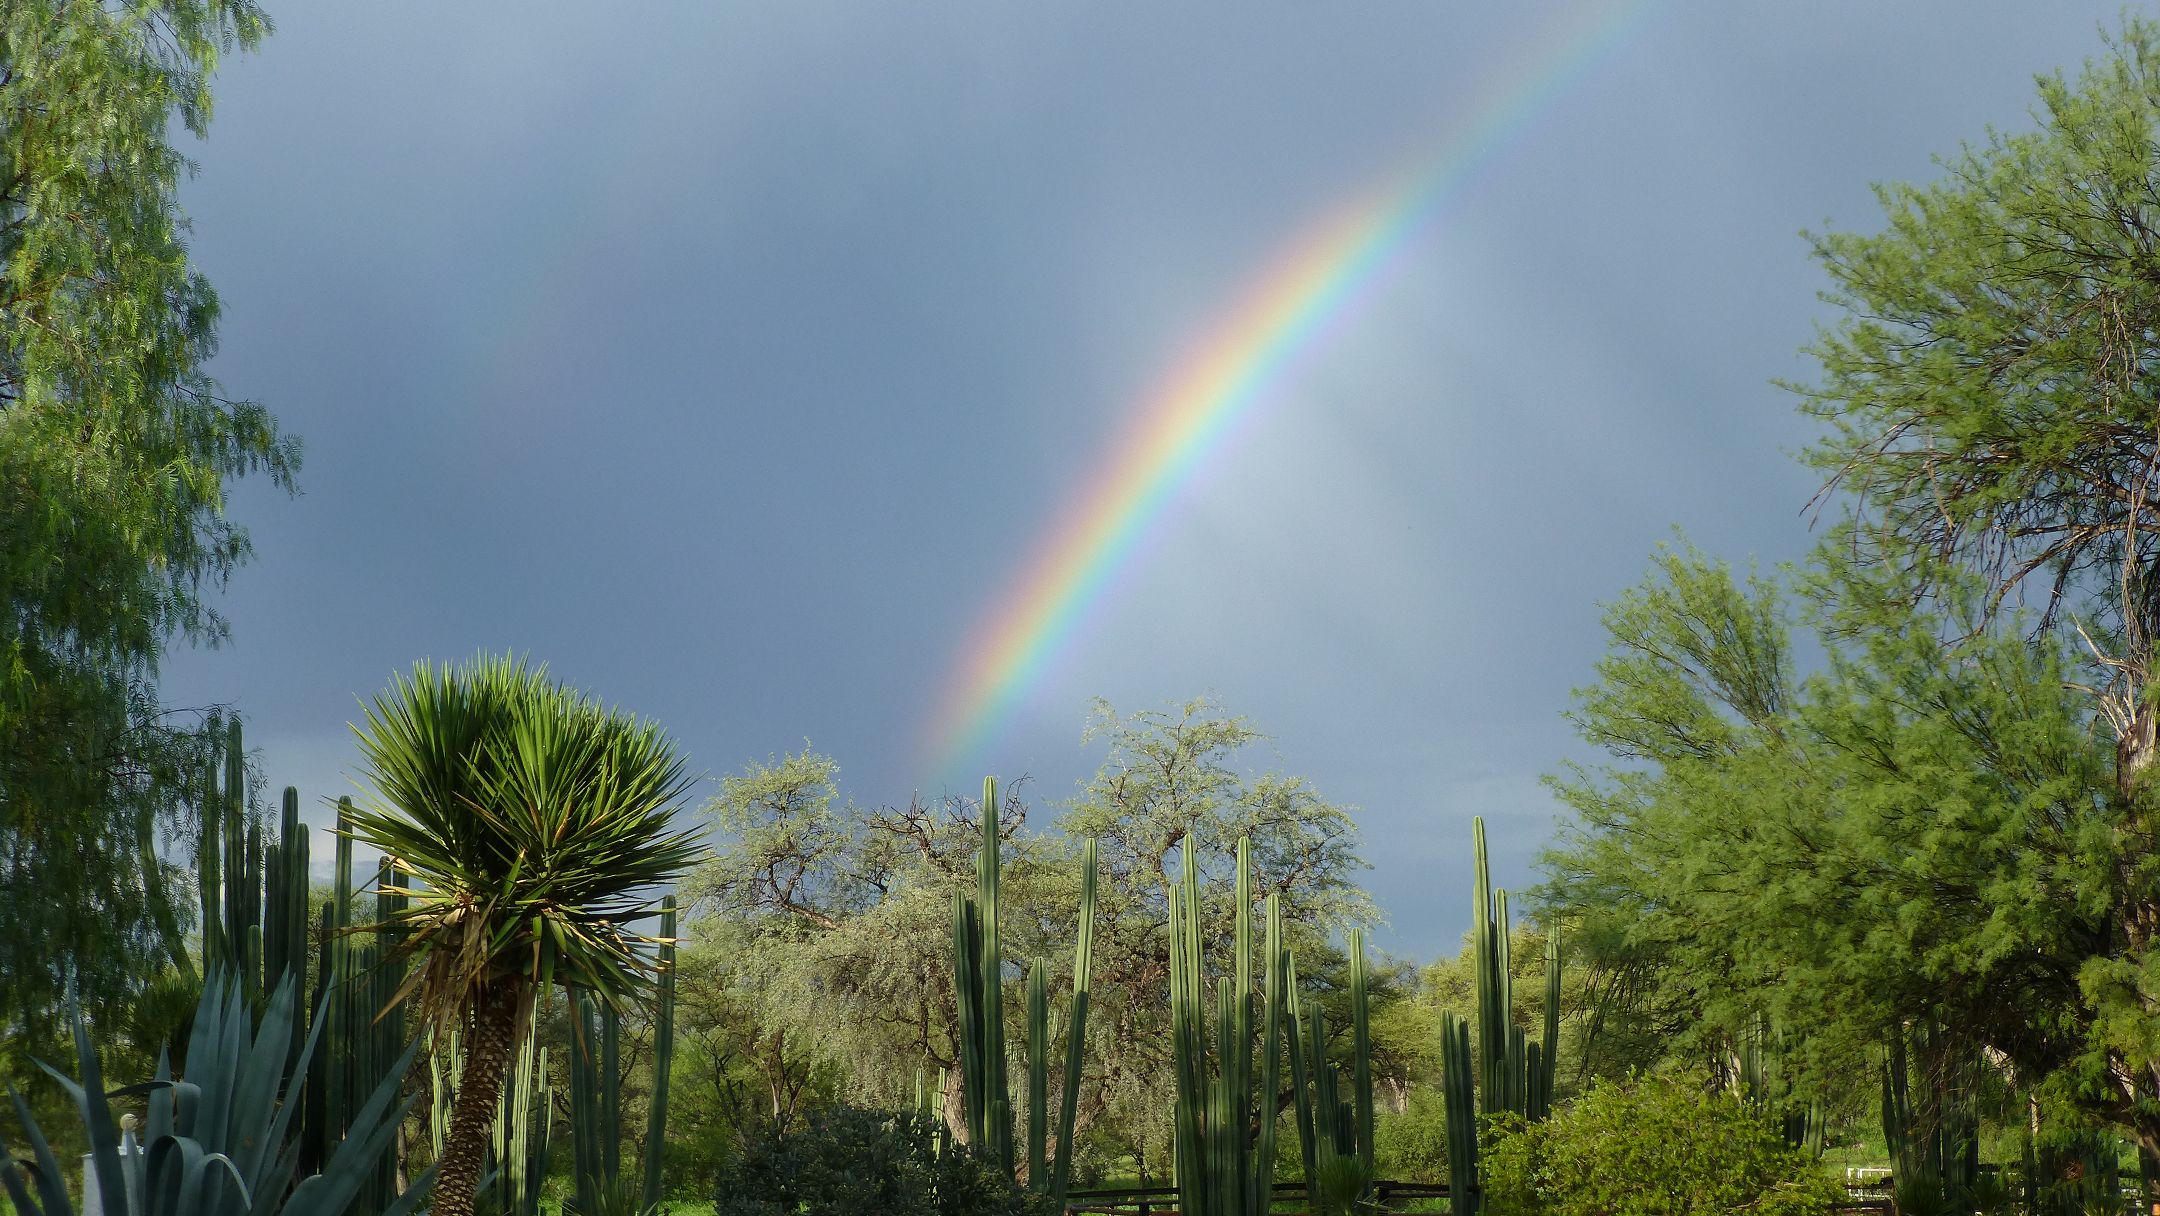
(1651,1148)
(847,1161)
(1411,1146)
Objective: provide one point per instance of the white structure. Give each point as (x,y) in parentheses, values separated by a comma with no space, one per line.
(93,1203)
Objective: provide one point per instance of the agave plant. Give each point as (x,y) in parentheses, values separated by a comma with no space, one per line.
(526,827)
(216,1142)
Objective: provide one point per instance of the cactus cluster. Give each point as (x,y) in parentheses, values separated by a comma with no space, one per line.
(256,929)
(596,1115)
(979,993)
(1934,1135)
(1508,1074)
(1759,1064)
(1219,1173)
(1226,1117)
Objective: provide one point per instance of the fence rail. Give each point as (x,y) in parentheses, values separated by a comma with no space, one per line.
(1163,1200)
(1868,1197)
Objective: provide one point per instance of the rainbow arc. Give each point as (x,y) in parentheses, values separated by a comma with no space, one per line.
(1237,364)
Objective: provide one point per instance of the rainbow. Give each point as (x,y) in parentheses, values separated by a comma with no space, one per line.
(1283,315)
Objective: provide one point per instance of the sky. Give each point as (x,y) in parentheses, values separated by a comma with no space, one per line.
(739,360)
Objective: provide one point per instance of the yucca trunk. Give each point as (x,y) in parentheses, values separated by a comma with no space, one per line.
(491,1041)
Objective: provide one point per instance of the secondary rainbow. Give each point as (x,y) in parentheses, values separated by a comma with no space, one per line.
(1284,315)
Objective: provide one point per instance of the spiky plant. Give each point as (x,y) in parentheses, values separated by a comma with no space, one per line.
(215,1142)
(525,826)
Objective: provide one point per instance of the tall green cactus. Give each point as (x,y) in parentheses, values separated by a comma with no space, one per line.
(1225,1123)
(1761,1058)
(596,1119)
(354,988)
(1508,1073)
(656,1110)
(256,891)
(1935,1139)
(1459,1097)
(979,989)
(1338,1152)
(979,993)
(1075,1031)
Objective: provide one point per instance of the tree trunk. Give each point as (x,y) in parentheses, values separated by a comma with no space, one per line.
(955,1106)
(2137,760)
(490,1043)
(2137,748)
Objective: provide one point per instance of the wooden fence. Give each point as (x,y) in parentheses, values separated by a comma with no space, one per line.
(1390,1196)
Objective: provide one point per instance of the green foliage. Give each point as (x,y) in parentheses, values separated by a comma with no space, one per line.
(979,985)
(1984,387)
(1653,1147)
(538,824)
(216,1141)
(1411,1145)
(1990,413)
(846,1161)
(830,923)
(116,451)
(1341,1182)
(1919,834)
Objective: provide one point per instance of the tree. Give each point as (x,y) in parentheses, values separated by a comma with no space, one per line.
(115,451)
(837,920)
(1169,775)
(1989,387)
(528,826)
(1915,837)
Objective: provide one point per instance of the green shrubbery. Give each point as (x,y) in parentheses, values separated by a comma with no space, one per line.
(851,1162)
(1412,1146)
(1652,1148)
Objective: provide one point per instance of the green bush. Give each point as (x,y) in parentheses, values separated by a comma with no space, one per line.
(1411,1146)
(851,1162)
(1651,1148)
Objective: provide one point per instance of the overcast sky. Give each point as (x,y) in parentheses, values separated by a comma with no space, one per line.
(731,358)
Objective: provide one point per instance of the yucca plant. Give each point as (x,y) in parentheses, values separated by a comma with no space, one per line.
(526,826)
(215,1143)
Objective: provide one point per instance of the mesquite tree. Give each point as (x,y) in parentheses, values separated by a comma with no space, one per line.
(117,451)
(1990,386)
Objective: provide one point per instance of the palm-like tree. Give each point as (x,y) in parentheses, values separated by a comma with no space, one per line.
(528,826)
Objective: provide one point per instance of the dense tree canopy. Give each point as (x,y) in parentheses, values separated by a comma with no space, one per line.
(115,450)
(1988,385)
(1911,837)
(1945,832)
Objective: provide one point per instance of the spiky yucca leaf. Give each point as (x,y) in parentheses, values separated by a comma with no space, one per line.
(538,824)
